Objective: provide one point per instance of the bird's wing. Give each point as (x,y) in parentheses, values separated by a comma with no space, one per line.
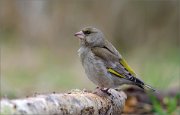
(111,48)
(115,64)
(121,60)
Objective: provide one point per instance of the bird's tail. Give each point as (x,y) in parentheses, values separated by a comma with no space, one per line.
(142,85)
(149,87)
(145,86)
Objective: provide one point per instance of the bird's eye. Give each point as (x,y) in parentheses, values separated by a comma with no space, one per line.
(86,32)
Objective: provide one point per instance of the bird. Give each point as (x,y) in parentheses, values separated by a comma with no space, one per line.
(102,63)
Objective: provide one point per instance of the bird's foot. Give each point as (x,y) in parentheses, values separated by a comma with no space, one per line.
(102,91)
(105,90)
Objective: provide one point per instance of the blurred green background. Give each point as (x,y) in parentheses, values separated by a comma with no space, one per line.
(39,50)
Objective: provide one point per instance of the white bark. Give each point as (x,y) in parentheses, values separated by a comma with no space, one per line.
(74,103)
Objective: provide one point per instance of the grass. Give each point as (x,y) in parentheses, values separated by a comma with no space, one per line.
(169,106)
(46,71)
(158,68)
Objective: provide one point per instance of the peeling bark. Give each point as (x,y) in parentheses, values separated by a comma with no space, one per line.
(76,102)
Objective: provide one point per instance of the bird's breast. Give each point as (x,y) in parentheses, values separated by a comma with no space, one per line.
(94,68)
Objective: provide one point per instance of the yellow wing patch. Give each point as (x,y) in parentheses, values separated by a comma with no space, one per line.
(125,65)
(114,72)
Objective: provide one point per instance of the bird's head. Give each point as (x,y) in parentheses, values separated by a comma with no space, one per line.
(90,37)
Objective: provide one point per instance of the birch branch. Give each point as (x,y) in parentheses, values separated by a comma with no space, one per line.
(76,102)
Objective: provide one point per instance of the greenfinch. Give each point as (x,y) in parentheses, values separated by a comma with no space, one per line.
(102,63)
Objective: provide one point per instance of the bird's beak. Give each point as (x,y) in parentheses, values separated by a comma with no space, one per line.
(80,34)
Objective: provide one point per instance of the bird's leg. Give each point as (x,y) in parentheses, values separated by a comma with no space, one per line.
(102,91)
(105,90)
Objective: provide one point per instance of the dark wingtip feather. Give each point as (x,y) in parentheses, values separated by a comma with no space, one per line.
(149,87)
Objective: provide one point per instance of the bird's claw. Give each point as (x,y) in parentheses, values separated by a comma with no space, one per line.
(105,90)
(102,91)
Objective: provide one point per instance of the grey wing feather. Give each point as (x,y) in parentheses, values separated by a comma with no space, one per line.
(112,60)
(105,54)
(111,57)
(110,47)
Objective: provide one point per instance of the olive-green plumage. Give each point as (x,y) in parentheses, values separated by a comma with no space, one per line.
(103,64)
